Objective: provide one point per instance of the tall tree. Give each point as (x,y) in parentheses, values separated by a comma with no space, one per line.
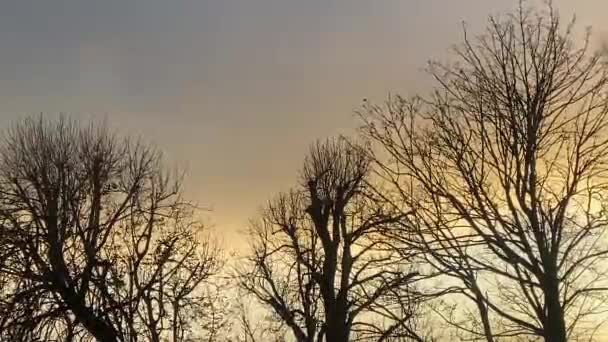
(97,242)
(505,170)
(316,262)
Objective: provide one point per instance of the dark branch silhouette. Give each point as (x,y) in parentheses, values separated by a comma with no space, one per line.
(96,240)
(505,170)
(316,262)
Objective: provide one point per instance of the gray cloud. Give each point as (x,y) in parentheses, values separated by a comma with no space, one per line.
(236,89)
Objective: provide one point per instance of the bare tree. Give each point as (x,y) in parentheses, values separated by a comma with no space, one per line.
(96,240)
(315,261)
(504,168)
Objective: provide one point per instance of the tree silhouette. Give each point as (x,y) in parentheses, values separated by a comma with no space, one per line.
(504,168)
(97,242)
(316,262)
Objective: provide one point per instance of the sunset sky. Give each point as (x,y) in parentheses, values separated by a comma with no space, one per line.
(232,90)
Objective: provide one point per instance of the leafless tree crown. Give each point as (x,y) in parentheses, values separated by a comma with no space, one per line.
(96,242)
(505,169)
(315,261)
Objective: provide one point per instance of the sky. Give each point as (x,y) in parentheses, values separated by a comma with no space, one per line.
(232,91)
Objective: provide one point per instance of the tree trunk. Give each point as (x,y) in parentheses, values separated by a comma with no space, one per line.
(102,331)
(483,313)
(337,332)
(338,329)
(555,325)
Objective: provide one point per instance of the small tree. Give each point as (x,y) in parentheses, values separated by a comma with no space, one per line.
(505,170)
(96,240)
(315,261)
